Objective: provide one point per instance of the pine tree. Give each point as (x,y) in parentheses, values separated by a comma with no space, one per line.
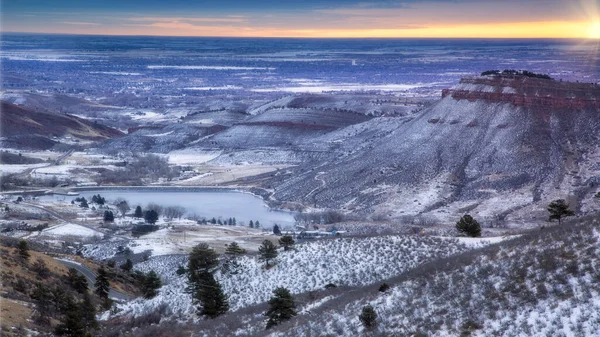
(257,224)
(468,226)
(232,251)
(127,265)
(267,251)
(77,281)
(84,203)
(287,242)
(368,317)
(281,307)
(276,229)
(88,313)
(71,325)
(108,216)
(559,209)
(210,297)
(151,284)
(43,304)
(251,224)
(138,213)
(202,259)
(23,249)
(102,285)
(180,270)
(151,216)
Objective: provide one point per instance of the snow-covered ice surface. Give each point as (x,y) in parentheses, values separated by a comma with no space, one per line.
(345,261)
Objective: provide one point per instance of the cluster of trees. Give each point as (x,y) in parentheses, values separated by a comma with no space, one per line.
(207,293)
(97,199)
(77,317)
(253,224)
(215,221)
(143,167)
(326,217)
(509,72)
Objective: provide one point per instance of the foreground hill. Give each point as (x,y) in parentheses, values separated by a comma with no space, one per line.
(501,147)
(542,283)
(29,129)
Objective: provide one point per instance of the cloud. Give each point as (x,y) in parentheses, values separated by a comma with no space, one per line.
(79,23)
(228,19)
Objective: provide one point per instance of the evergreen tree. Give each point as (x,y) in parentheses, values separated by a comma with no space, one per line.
(151,284)
(276,229)
(127,265)
(77,281)
(88,313)
(559,209)
(213,221)
(84,203)
(212,301)
(151,216)
(251,224)
(281,307)
(287,242)
(368,317)
(235,222)
(597,196)
(108,216)
(181,270)
(138,213)
(267,252)
(232,251)
(23,249)
(468,226)
(43,304)
(72,324)
(205,290)
(202,259)
(257,224)
(102,285)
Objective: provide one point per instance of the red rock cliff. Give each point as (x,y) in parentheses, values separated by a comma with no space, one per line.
(527,92)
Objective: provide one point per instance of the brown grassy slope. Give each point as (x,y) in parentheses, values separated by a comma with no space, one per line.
(18,122)
(17,308)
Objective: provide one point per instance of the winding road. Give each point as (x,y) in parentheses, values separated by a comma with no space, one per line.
(91,278)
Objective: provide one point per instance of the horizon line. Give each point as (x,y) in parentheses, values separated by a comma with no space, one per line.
(305,37)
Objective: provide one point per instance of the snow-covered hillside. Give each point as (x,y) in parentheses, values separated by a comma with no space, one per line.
(538,285)
(343,262)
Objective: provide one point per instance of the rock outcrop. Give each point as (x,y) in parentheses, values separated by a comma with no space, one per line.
(526,91)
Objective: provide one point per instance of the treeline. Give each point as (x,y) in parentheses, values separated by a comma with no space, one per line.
(325,217)
(147,167)
(512,72)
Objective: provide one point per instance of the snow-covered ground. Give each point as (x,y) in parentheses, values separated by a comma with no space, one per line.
(311,266)
(71,230)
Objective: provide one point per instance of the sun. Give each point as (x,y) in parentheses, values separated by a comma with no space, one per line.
(594,30)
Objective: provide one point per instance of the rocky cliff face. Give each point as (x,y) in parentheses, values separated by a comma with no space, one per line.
(526,91)
(499,148)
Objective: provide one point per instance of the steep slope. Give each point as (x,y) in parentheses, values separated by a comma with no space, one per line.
(542,284)
(24,128)
(473,150)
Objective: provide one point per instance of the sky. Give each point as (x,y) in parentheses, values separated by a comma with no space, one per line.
(308,18)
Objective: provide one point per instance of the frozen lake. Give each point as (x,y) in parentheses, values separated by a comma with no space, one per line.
(206,203)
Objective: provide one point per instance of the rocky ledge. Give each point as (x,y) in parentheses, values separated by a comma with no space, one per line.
(527,91)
